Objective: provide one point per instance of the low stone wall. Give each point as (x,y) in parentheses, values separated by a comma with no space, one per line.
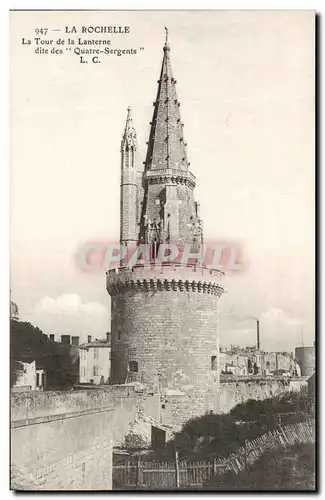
(237,390)
(64,440)
(33,404)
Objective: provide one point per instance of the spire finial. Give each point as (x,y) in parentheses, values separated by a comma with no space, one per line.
(166,46)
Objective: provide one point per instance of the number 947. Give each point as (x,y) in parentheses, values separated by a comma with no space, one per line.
(41,31)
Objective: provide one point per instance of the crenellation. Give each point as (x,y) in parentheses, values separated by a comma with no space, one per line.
(175,277)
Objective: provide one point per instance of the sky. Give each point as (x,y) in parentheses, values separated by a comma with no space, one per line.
(245,81)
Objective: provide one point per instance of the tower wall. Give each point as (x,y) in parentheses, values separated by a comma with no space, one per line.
(306,360)
(165,326)
(158,182)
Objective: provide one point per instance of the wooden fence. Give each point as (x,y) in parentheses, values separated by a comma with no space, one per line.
(168,475)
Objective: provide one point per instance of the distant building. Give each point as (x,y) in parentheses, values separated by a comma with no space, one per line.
(250,361)
(95,361)
(312,390)
(14,312)
(71,342)
(307,360)
(30,378)
(277,362)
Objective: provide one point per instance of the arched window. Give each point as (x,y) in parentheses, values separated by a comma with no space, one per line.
(127,157)
(213,362)
(133,366)
(132,156)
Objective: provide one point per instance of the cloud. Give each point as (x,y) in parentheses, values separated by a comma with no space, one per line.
(278,330)
(274,314)
(67,314)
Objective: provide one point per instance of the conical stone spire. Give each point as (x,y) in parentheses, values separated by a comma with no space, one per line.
(168,210)
(166,146)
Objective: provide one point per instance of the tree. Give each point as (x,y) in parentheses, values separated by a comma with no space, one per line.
(15,368)
(28,343)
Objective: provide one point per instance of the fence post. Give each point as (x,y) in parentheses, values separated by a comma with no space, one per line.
(128,472)
(139,472)
(215,467)
(246,453)
(176,469)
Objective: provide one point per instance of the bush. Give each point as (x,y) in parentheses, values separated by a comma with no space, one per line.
(220,434)
(134,442)
(286,469)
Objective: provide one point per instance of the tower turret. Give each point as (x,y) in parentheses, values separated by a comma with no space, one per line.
(128,207)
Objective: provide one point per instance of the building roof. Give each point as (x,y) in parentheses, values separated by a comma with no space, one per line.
(166,146)
(95,343)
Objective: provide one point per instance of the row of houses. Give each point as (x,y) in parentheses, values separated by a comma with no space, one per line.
(94,363)
(252,361)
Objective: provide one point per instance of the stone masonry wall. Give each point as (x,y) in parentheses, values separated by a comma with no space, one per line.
(235,392)
(65,454)
(36,404)
(177,408)
(164,331)
(171,337)
(63,441)
(155,192)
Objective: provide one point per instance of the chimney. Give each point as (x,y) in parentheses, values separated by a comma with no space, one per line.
(65,339)
(52,337)
(89,339)
(108,337)
(75,341)
(258,334)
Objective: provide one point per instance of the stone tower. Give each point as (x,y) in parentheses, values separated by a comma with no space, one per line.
(164,317)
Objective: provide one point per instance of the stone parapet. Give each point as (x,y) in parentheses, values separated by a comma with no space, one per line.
(170,175)
(165,277)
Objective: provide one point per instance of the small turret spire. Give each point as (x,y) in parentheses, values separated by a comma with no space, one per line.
(128,229)
(129,137)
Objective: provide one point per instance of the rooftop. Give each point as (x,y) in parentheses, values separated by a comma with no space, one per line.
(95,343)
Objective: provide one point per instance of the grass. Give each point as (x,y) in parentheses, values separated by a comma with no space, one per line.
(288,469)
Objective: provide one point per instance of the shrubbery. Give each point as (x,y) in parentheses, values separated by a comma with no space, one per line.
(220,434)
(285,469)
